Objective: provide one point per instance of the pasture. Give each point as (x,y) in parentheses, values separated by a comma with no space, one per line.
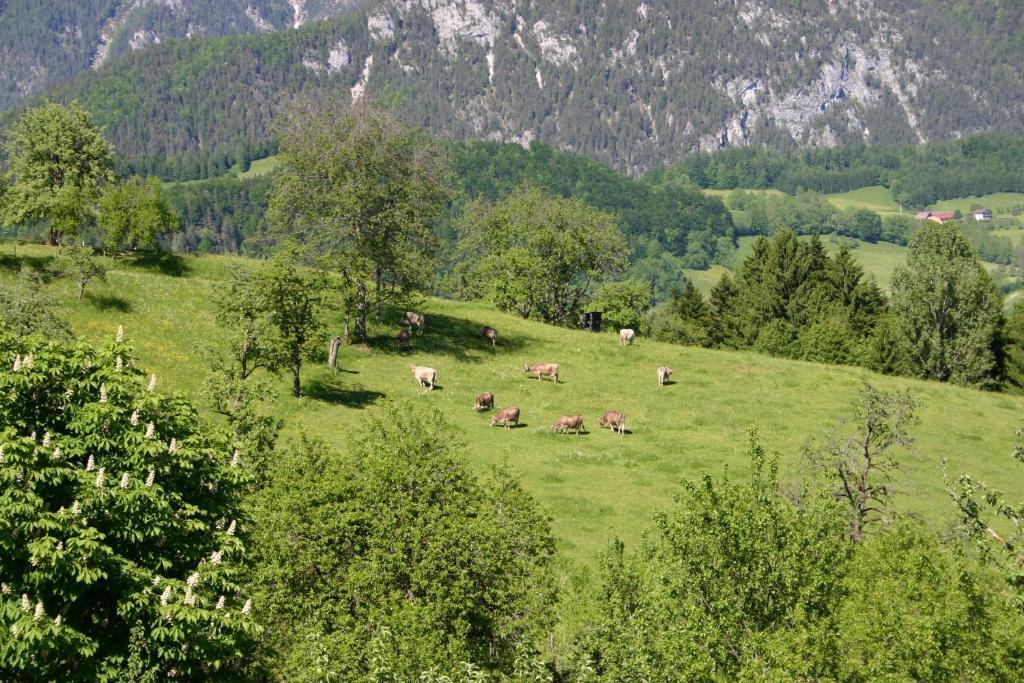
(597,485)
(876,198)
(1002,204)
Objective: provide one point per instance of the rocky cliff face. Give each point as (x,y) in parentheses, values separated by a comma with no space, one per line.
(634,82)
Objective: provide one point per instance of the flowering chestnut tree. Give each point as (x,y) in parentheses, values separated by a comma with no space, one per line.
(120,525)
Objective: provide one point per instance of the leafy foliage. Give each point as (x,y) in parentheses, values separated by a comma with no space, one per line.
(120,524)
(392,560)
(81,265)
(622,303)
(133,213)
(291,296)
(359,187)
(538,255)
(736,580)
(28,306)
(947,307)
(57,164)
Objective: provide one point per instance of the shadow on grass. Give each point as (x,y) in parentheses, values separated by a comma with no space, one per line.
(521,425)
(452,336)
(163,262)
(109,302)
(331,390)
(14,264)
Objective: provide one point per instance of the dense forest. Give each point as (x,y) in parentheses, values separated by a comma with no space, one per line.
(918,175)
(886,72)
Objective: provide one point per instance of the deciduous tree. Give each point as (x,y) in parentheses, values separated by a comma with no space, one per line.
(622,304)
(293,295)
(947,307)
(81,265)
(58,163)
(134,212)
(394,561)
(356,184)
(860,456)
(540,256)
(121,526)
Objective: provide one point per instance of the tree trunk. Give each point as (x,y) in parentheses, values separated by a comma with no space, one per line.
(296,374)
(81,291)
(361,311)
(332,358)
(345,335)
(377,293)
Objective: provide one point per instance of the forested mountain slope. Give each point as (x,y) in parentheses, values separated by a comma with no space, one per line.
(630,83)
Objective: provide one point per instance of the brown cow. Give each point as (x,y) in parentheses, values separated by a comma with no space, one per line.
(425,376)
(567,422)
(615,420)
(403,339)
(626,336)
(543,370)
(484,401)
(664,372)
(506,417)
(414,319)
(490,333)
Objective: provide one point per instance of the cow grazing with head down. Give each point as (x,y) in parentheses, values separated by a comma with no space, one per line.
(414,319)
(506,417)
(490,333)
(425,376)
(664,372)
(484,401)
(626,336)
(614,420)
(567,423)
(403,339)
(543,370)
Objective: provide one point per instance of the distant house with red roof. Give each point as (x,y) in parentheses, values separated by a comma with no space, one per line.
(937,216)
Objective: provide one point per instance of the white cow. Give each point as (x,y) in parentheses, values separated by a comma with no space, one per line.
(425,376)
(626,336)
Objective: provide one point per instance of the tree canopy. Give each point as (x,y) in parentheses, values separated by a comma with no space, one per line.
(538,255)
(57,164)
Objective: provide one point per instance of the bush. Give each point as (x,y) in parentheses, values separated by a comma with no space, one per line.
(394,560)
(828,341)
(777,338)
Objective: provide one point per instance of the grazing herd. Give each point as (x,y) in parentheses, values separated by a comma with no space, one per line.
(509,417)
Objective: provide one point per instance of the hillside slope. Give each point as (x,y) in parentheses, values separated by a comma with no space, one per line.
(597,485)
(629,83)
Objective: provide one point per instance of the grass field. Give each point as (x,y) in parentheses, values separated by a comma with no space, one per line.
(875,198)
(1000,203)
(256,168)
(596,486)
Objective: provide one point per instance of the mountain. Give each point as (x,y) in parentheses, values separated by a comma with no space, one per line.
(631,83)
(45,43)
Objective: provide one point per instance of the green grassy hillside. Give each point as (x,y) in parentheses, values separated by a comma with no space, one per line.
(875,198)
(1002,204)
(597,485)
